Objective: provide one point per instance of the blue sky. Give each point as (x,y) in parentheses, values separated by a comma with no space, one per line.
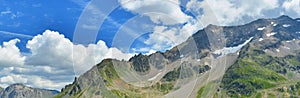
(46,43)
(27,19)
(33,17)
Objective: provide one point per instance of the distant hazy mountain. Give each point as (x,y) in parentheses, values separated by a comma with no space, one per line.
(22,91)
(258,59)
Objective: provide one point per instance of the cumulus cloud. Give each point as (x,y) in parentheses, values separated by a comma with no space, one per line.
(226,12)
(167,12)
(50,48)
(53,62)
(53,49)
(10,54)
(6,70)
(292,6)
(31,80)
(164,13)
(37,81)
(161,37)
(164,37)
(9,79)
(85,57)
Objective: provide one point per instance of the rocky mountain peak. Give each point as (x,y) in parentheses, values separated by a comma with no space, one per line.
(22,91)
(284,17)
(140,63)
(17,86)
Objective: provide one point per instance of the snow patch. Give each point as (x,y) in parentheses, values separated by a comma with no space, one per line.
(274,25)
(181,56)
(286,47)
(271,34)
(260,29)
(286,25)
(228,50)
(261,39)
(272,22)
(153,78)
(198,60)
(277,50)
(297,32)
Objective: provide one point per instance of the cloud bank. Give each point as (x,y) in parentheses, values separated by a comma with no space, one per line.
(53,62)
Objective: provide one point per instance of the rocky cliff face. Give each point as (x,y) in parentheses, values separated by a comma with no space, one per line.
(251,57)
(22,91)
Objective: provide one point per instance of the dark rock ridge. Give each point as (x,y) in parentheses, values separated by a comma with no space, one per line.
(140,63)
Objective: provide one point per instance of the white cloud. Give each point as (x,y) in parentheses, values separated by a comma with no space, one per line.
(52,61)
(53,49)
(13,79)
(10,54)
(50,48)
(165,37)
(37,81)
(193,6)
(292,6)
(31,80)
(166,12)
(7,11)
(226,12)
(117,54)
(146,50)
(162,38)
(85,57)
(6,70)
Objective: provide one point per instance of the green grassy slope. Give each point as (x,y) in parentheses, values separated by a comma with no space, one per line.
(257,71)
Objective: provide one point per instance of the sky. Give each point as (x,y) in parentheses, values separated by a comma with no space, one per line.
(46,43)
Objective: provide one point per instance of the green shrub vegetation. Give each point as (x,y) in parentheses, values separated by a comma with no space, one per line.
(254,70)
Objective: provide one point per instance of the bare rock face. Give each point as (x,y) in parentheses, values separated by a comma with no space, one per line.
(140,63)
(22,91)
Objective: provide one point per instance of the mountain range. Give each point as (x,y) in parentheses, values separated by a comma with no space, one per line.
(260,59)
(22,91)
